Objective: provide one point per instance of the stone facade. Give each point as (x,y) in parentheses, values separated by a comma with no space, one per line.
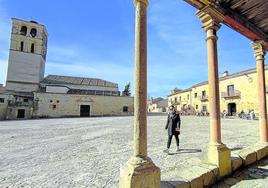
(157,105)
(68,105)
(241,94)
(27,54)
(3,106)
(16,105)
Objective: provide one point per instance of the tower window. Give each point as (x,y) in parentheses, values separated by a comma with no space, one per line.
(21,46)
(32,48)
(33,32)
(23,30)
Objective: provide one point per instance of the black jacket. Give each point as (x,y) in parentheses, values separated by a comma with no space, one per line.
(173,122)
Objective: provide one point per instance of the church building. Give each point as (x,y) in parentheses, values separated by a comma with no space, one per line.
(28,94)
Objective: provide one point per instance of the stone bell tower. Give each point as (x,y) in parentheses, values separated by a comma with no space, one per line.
(27,56)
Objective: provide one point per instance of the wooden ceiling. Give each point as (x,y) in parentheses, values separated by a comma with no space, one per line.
(248,17)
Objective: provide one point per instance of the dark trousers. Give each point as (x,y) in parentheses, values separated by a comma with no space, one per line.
(170,138)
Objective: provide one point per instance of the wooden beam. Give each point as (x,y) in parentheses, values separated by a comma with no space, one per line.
(244,27)
(235,21)
(195,3)
(244,22)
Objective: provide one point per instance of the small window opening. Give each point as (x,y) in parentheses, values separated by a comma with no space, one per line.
(33,32)
(54,106)
(21,46)
(23,30)
(125,109)
(32,48)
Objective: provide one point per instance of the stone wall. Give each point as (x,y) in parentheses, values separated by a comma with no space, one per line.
(3,106)
(25,71)
(62,105)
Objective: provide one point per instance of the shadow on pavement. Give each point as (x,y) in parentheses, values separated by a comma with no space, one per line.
(181,151)
(236,148)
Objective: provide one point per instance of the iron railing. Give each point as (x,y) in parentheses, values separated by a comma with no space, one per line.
(232,94)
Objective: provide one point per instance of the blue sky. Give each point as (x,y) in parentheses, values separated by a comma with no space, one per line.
(96,39)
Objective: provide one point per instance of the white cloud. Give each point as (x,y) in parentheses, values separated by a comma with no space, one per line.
(107,69)
(178,57)
(94,69)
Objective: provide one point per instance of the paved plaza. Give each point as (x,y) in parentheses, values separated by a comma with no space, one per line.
(88,152)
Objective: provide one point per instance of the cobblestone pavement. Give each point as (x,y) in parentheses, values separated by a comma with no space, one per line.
(254,176)
(88,152)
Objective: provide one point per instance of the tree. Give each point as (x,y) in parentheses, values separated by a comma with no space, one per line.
(126,91)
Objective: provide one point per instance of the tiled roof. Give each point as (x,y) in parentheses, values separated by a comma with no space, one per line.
(241,73)
(56,79)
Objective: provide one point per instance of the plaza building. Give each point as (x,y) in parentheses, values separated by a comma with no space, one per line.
(29,94)
(157,105)
(238,93)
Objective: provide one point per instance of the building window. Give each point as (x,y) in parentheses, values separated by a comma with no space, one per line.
(32,48)
(25,100)
(196,107)
(204,93)
(230,89)
(21,46)
(33,32)
(125,108)
(23,30)
(43,89)
(58,101)
(195,95)
(54,106)
(204,108)
(2,100)
(175,99)
(51,101)
(180,99)
(188,96)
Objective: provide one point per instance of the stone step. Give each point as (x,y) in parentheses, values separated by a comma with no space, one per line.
(201,174)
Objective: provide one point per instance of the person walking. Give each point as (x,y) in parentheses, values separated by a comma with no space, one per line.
(173,126)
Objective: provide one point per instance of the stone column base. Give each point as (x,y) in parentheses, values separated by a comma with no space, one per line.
(220,155)
(139,173)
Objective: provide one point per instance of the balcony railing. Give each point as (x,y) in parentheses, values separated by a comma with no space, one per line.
(176,103)
(233,94)
(203,97)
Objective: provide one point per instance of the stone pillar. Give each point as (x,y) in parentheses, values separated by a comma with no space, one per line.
(260,52)
(140,171)
(217,152)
